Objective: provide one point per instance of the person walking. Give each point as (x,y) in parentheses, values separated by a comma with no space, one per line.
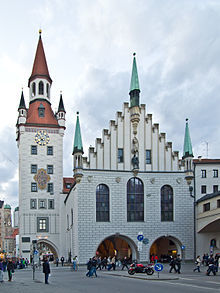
(75,263)
(89,267)
(178,263)
(211,266)
(46,269)
(10,269)
(124,263)
(57,261)
(198,264)
(172,265)
(93,268)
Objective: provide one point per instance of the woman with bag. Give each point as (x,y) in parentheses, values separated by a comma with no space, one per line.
(198,264)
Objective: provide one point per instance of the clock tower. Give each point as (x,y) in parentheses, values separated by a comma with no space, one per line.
(40,134)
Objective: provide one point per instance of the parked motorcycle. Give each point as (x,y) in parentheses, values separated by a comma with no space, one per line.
(140,268)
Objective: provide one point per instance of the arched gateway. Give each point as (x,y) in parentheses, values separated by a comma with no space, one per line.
(47,248)
(118,245)
(166,246)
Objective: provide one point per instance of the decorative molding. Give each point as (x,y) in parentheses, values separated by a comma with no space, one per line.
(89,178)
(179,180)
(118,179)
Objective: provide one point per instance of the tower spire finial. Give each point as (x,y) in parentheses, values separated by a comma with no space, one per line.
(134,86)
(78,146)
(187,148)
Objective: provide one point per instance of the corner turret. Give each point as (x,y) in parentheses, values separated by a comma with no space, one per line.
(188,155)
(77,152)
(61,112)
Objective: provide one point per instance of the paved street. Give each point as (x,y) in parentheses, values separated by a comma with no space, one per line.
(64,280)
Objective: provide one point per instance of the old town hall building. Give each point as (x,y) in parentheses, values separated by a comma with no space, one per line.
(131,183)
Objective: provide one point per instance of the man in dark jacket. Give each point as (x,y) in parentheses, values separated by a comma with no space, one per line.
(46,269)
(10,269)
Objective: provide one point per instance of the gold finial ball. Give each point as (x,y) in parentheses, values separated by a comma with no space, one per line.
(40,31)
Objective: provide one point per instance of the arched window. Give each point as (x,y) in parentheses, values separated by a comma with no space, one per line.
(48,90)
(33,89)
(102,203)
(135,200)
(213,243)
(166,203)
(41,88)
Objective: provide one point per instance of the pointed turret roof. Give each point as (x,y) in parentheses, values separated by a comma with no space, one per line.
(187,148)
(77,147)
(22,101)
(40,68)
(61,106)
(134,77)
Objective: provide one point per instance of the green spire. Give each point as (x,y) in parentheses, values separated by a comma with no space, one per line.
(134,77)
(187,149)
(134,86)
(77,147)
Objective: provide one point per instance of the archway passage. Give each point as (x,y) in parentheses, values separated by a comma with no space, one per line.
(165,247)
(117,246)
(46,249)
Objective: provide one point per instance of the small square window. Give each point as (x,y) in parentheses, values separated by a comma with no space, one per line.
(33,187)
(203,173)
(218,203)
(148,156)
(215,173)
(33,169)
(34,150)
(42,204)
(33,204)
(50,204)
(203,189)
(50,151)
(120,156)
(206,207)
(50,188)
(215,188)
(49,169)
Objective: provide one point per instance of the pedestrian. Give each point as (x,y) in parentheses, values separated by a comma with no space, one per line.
(99,263)
(113,261)
(1,271)
(93,267)
(178,263)
(46,269)
(104,262)
(75,263)
(198,264)
(10,269)
(156,259)
(57,261)
(172,264)
(89,267)
(62,260)
(211,266)
(216,262)
(124,263)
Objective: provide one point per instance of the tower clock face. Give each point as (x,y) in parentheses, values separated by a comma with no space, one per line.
(42,137)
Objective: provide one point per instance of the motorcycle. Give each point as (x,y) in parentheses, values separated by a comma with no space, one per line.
(140,268)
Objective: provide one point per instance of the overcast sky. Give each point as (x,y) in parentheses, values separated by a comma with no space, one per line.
(89,47)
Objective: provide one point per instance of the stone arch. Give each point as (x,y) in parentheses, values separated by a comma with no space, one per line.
(46,247)
(165,246)
(212,226)
(119,245)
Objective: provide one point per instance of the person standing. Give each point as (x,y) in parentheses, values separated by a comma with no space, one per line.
(57,261)
(75,263)
(46,270)
(1,271)
(178,263)
(198,264)
(62,260)
(10,269)
(211,266)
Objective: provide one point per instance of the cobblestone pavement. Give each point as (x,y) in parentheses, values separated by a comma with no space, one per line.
(64,280)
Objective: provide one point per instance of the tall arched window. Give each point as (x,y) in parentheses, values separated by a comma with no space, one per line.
(33,89)
(41,88)
(48,90)
(102,203)
(135,200)
(166,203)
